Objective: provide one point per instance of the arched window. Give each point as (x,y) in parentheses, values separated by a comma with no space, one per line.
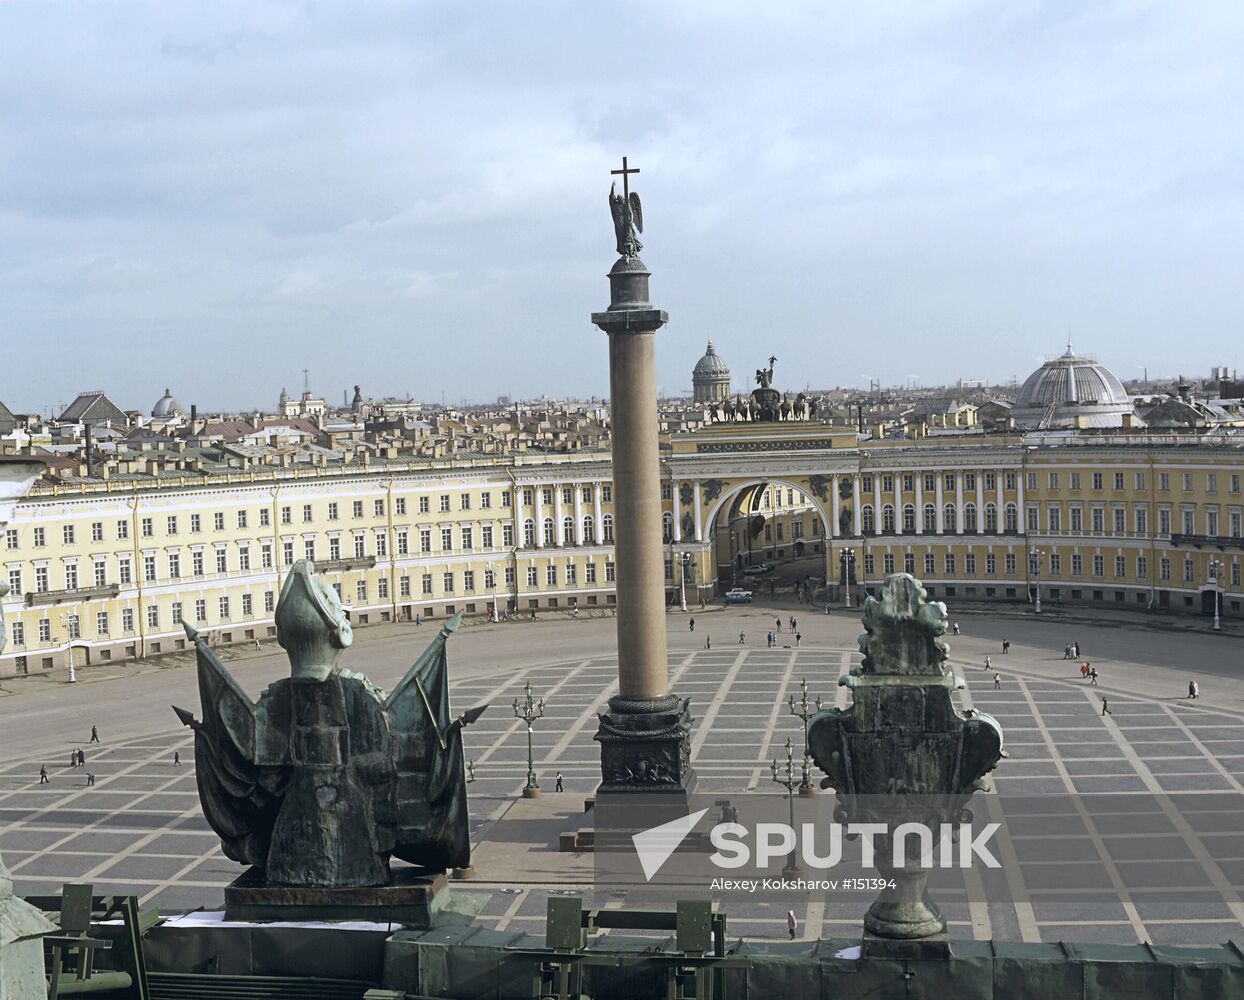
(667,526)
(529,532)
(606,529)
(887,519)
(550,534)
(1012,517)
(950,519)
(909,517)
(930,518)
(870,522)
(567,530)
(969,517)
(589,531)
(991,517)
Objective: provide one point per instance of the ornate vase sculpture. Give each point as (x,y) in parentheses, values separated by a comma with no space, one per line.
(326,777)
(902,752)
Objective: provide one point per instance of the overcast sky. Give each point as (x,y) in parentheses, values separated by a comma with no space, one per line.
(412,196)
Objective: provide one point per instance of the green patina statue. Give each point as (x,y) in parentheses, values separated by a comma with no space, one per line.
(326,777)
(902,752)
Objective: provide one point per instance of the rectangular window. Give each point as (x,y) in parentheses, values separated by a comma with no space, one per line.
(218,520)
(468,580)
(306,513)
(378,508)
(1052,481)
(149,568)
(176,609)
(1235,482)
(403,586)
(382,544)
(1009,481)
(1189,571)
(606,492)
(1164,481)
(1056,564)
(464,501)
(1120,566)
(447,582)
(929,562)
(426,583)
(550,574)
(224,609)
(248,607)
(1098,520)
(991,481)
(533,579)
(1073,480)
(1142,567)
(265,517)
(242,519)
(507,535)
(403,542)
(124,574)
(909,482)
(950,564)
(101,573)
(425,539)
(334,511)
(40,538)
(147,524)
(1099,565)
(360,546)
(1097,480)
(1164,521)
(244,557)
(468,539)
(490,578)
(265,555)
(1118,480)
(45,629)
(447,539)
(1010,564)
(1030,480)
(153,616)
(269,601)
(222,561)
(101,622)
(382,588)
(1164,568)
(444,502)
(123,530)
(1235,574)
(196,563)
(1120,521)
(1235,524)
(887,563)
(308,549)
(334,548)
(991,563)
(1211,482)
(589,572)
(1077,565)
(969,563)
(41,580)
(71,577)
(485,536)
(19,634)
(909,563)
(15,583)
(10,538)
(868,564)
(546,495)
(200,610)
(507,499)
(174,566)
(1211,522)
(887,484)
(609,571)
(1189,522)
(1033,522)
(360,591)
(866,484)
(424,505)
(1187,482)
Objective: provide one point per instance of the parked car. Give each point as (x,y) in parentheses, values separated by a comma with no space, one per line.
(758,570)
(738,596)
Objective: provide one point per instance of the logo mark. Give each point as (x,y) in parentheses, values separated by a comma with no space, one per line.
(656,844)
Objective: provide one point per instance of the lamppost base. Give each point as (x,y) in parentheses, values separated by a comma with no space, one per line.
(807,791)
(464,874)
(531,792)
(645,747)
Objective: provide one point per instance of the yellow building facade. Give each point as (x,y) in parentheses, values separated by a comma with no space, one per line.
(110,570)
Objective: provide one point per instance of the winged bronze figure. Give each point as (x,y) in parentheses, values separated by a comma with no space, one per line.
(628,221)
(325,778)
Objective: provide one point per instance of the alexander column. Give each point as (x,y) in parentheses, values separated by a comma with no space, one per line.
(645,736)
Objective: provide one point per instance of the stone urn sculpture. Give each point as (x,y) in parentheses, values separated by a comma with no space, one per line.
(902,753)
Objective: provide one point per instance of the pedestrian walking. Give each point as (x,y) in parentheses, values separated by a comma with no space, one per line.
(94,734)
(777,624)
(1075,650)
(81,758)
(1191,689)
(792,623)
(1196,690)
(1093,676)
(90,778)
(988,663)
(1105,707)
(418,619)
(791,923)
(827,607)
(798,636)
(741,638)
(43,775)
(691,624)
(769,639)
(73,758)
(954,628)
(1084,670)
(708,642)
(256,645)
(1006,645)
(559,782)
(997,680)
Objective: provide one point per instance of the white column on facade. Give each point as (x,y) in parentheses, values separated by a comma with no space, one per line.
(1001,526)
(695,511)
(559,514)
(959,503)
(833,506)
(876,503)
(578,513)
(596,514)
(1019,500)
(677,512)
(919,479)
(898,503)
(538,494)
(980,503)
(859,502)
(937,494)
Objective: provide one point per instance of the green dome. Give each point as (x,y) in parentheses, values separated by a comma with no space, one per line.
(710,366)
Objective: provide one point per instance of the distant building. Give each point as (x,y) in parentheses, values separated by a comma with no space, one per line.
(1072,391)
(93,408)
(710,379)
(8,422)
(305,405)
(167,407)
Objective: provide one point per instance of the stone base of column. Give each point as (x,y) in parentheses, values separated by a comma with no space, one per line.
(645,747)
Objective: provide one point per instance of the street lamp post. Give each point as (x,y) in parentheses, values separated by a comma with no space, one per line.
(1036,572)
(1216,566)
(848,557)
(683,559)
(492,588)
(529,710)
(804,713)
(786,777)
(69,637)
